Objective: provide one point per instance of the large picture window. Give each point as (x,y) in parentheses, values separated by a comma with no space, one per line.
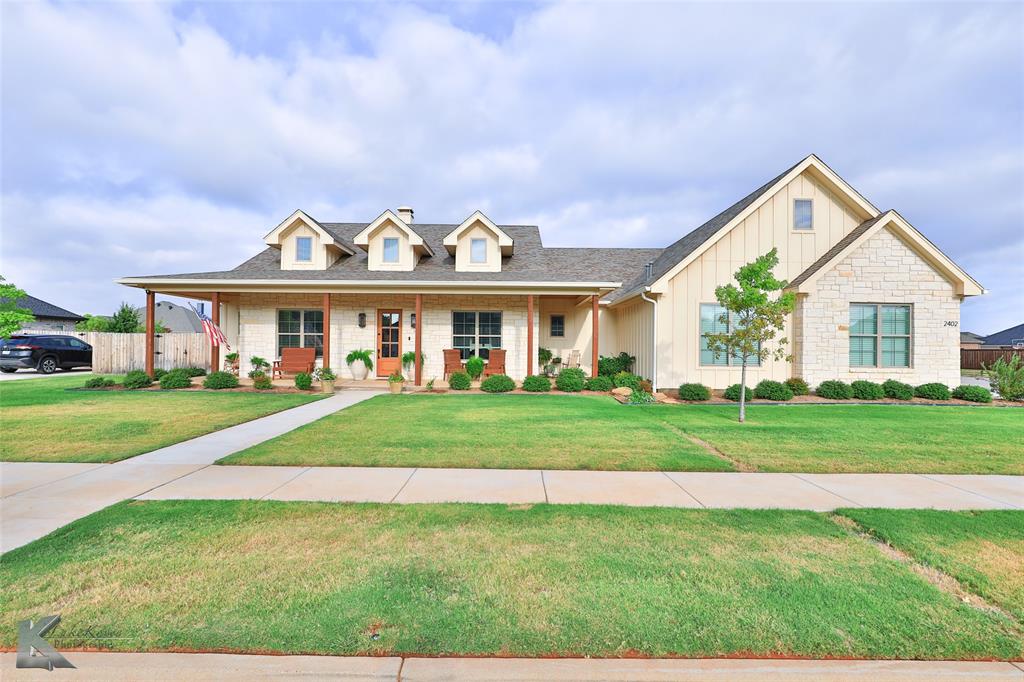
(711,323)
(879,335)
(300,329)
(476,333)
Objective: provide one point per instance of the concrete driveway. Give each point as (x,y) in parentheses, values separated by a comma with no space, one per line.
(32,374)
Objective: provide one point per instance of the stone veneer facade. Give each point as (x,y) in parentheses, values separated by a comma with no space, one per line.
(257,326)
(882,270)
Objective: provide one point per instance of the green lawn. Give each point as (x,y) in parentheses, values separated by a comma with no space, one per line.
(984,550)
(45,422)
(496,432)
(860,438)
(485,579)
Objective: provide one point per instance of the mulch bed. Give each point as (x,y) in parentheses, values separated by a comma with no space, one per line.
(194,388)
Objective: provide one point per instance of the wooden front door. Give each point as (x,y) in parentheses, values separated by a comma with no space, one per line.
(389,342)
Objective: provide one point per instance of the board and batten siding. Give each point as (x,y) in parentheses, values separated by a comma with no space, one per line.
(770,226)
(633,335)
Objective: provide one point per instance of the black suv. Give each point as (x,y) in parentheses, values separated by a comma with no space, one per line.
(44,353)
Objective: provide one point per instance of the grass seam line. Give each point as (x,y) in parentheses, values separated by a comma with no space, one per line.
(391,501)
(304,470)
(740,466)
(966,490)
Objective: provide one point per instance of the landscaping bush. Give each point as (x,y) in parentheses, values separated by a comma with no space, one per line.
(176,378)
(897,390)
(99,382)
(498,383)
(694,392)
(646,386)
(772,390)
(303,381)
(537,383)
(835,390)
(934,391)
(641,398)
(459,381)
(475,367)
(975,394)
(867,390)
(1007,377)
(219,380)
(261,382)
(194,371)
(136,379)
(610,366)
(570,380)
(733,393)
(599,383)
(798,386)
(626,379)
(158,374)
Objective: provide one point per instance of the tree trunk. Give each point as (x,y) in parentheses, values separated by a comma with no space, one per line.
(743,391)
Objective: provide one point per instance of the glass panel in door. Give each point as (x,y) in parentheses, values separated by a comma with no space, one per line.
(389,342)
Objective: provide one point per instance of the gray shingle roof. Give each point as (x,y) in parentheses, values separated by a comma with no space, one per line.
(835,250)
(1005,337)
(41,308)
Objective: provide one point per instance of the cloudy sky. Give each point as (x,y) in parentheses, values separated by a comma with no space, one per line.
(157,138)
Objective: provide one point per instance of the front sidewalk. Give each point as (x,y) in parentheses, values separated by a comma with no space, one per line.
(109,667)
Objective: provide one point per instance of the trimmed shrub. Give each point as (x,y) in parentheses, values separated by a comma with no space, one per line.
(194,371)
(459,381)
(733,393)
(623,362)
(303,381)
(772,390)
(261,382)
(498,383)
(99,382)
(570,380)
(537,383)
(867,390)
(475,367)
(694,392)
(798,386)
(834,390)
(975,394)
(219,380)
(626,379)
(599,383)
(158,374)
(176,378)
(897,390)
(137,379)
(933,391)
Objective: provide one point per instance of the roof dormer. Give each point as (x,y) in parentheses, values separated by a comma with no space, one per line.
(478,245)
(391,244)
(305,244)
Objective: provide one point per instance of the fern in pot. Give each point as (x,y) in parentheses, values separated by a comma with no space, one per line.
(326,377)
(360,362)
(409,363)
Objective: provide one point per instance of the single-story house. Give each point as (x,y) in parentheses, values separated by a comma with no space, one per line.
(49,317)
(970,340)
(1008,338)
(875,298)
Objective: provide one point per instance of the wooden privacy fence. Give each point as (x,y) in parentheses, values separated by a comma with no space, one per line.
(120,353)
(973,358)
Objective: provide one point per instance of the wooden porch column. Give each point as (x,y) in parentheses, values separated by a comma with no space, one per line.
(215,316)
(419,339)
(594,355)
(529,334)
(327,331)
(150,328)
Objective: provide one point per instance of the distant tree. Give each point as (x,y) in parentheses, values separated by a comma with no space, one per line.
(124,321)
(93,323)
(753,317)
(12,318)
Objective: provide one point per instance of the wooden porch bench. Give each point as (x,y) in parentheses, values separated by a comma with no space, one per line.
(294,360)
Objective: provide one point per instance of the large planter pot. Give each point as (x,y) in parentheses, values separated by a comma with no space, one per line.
(327,386)
(358,370)
(409,371)
(395,387)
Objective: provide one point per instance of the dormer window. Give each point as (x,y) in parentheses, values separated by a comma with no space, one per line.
(390,250)
(478,251)
(304,249)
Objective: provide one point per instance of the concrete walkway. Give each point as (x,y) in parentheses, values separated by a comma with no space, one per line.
(816,492)
(230,667)
(37,498)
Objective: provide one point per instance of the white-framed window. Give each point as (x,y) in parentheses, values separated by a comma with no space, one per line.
(880,335)
(711,322)
(476,333)
(390,249)
(803,214)
(477,250)
(304,249)
(558,325)
(300,329)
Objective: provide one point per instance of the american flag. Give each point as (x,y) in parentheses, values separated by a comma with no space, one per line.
(212,331)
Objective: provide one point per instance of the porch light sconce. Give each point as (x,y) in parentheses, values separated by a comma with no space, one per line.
(362,320)
(412,319)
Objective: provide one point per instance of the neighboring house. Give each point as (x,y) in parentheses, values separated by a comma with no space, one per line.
(1008,338)
(970,340)
(174,317)
(48,316)
(875,298)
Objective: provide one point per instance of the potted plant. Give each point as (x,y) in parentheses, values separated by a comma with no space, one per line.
(409,363)
(360,362)
(395,381)
(231,363)
(326,378)
(258,373)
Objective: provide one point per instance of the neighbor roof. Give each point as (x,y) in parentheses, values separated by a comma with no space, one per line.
(41,308)
(1005,337)
(971,337)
